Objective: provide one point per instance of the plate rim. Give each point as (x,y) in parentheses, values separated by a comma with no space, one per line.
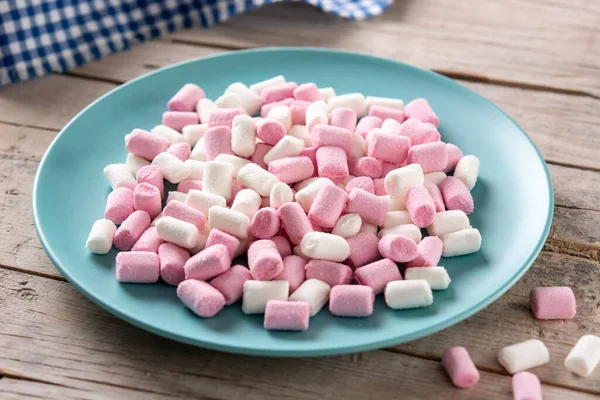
(270,352)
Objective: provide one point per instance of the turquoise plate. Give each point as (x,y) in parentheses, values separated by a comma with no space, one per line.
(513,201)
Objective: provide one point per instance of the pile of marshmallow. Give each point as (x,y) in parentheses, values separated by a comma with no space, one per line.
(319,191)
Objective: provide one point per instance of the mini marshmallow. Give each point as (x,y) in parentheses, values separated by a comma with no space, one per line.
(367,227)
(193,133)
(203,201)
(200,297)
(398,181)
(270,131)
(378,274)
(420,206)
(297,251)
(366,166)
(351,301)
(526,386)
(306,197)
(202,239)
(355,101)
(135,163)
(259,154)
(149,241)
(178,232)
(386,168)
(325,246)
(204,107)
(316,114)
(144,144)
(264,110)
(283,245)
(147,198)
(325,135)
(178,119)
(287,147)
(198,152)
(437,277)
(331,273)
(217,178)
(391,127)
(379,190)
(301,132)
(409,230)
(119,175)
(358,147)
(362,182)
(363,249)
(173,169)
(186,98)
(399,248)
(286,315)
(347,226)
(264,260)
(419,132)
(152,174)
(292,169)
(131,229)
(326,93)
(395,218)
(307,92)
(332,163)
(327,206)
(400,295)
(170,134)
(436,196)
(454,155)
(210,262)
(258,87)
(230,242)
(231,283)
(552,302)
(467,170)
(293,271)
(265,223)
(313,291)
(397,204)
(521,356)
(101,235)
(282,114)
(236,162)
(430,252)
(460,367)
(294,221)
(386,113)
(173,196)
(447,222)
(430,156)
(243,138)
(217,140)
(137,267)
(343,118)
(187,184)
(172,259)
(230,221)
(421,110)
(254,177)
(223,117)
(258,293)
(278,92)
(184,212)
(435,177)
(584,356)
(228,100)
(371,208)
(298,110)
(280,194)
(462,242)
(367,124)
(385,102)
(247,201)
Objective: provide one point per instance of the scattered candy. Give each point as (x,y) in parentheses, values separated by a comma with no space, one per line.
(585,356)
(521,356)
(460,367)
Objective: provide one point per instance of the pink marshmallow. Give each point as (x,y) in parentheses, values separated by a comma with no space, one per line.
(454,156)
(436,196)
(152,174)
(180,150)
(172,259)
(278,92)
(186,98)
(131,230)
(370,207)
(145,144)
(200,297)
(187,184)
(270,131)
(420,206)
(385,112)
(178,119)
(230,242)
(264,110)
(293,272)
(292,169)
(388,167)
(362,182)
(283,246)
(379,187)
(147,198)
(231,283)
(363,249)
(388,148)
(287,315)
(553,302)
(183,212)
(398,248)
(223,117)
(298,110)
(343,118)
(326,135)
(310,152)
(259,154)
(294,221)
(460,367)
(327,206)
(137,267)
(307,92)
(331,273)
(430,252)
(351,301)
(217,140)
(430,156)
(265,223)
(264,260)
(378,274)
(526,386)
(421,110)
(149,241)
(366,124)
(208,263)
(332,163)
(419,132)
(366,166)
(119,205)
(456,195)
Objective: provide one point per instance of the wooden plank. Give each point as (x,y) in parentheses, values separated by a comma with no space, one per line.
(575,232)
(58,337)
(575,188)
(506,41)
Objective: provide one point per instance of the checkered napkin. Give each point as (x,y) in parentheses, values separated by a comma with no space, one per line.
(38,37)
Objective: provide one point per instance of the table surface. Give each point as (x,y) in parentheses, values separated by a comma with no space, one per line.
(539,60)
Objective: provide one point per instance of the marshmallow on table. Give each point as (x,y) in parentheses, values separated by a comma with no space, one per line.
(287,316)
(294,221)
(460,367)
(283,245)
(135,163)
(435,177)
(584,356)
(399,248)
(247,201)
(282,114)
(363,249)
(280,194)
(152,174)
(331,273)
(467,170)
(454,155)
(355,101)
(193,133)
(119,175)
(223,117)
(462,242)
(147,198)
(196,169)
(371,208)
(398,181)
(254,177)
(456,195)
(400,295)
(137,267)
(204,107)
(436,196)
(176,231)
(552,302)
(408,230)
(172,259)
(293,271)
(186,98)
(200,297)
(307,92)
(430,252)
(307,194)
(101,235)
(173,169)
(326,93)
(395,218)
(288,146)
(131,229)
(420,206)
(325,246)
(270,131)
(448,222)
(328,206)
(203,201)
(351,301)
(217,140)
(386,113)
(378,274)
(437,277)
(347,226)
(210,262)
(421,110)
(301,132)
(278,92)
(265,223)
(258,293)
(430,156)
(521,356)
(526,386)
(343,118)
(313,291)
(292,169)
(316,114)
(366,124)
(264,260)
(389,148)
(231,283)
(233,222)
(366,166)
(258,87)
(230,242)
(178,119)
(149,241)
(144,144)
(170,134)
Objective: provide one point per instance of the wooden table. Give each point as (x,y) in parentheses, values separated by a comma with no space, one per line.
(539,60)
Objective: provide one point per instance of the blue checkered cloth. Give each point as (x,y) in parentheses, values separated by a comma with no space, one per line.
(38,37)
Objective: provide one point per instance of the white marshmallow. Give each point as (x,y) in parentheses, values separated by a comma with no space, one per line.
(258,87)
(157,218)
(347,226)
(355,101)
(204,107)
(462,242)
(173,195)
(170,134)
(203,201)
(367,227)
(390,127)
(193,133)
(388,102)
(283,115)
(395,218)
(249,100)
(359,146)
(314,292)
(235,161)
(173,169)
(135,163)
(448,222)
(414,293)
(437,277)
(254,177)
(584,356)
(243,135)
(229,221)
(258,293)
(301,132)
(398,181)
(228,100)
(435,177)
(467,170)
(101,236)
(325,246)
(217,178)
(280,194)
(301,185)
(316,114)
(198,151)
(178,232)
(409,230)
(306,196)
(521,356)
(196,169)
(246,201)
(202,239)
(326,93)
(396,204)
(287,147)
(119,175)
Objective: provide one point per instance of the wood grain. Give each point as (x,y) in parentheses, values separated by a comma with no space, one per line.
(59,337)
